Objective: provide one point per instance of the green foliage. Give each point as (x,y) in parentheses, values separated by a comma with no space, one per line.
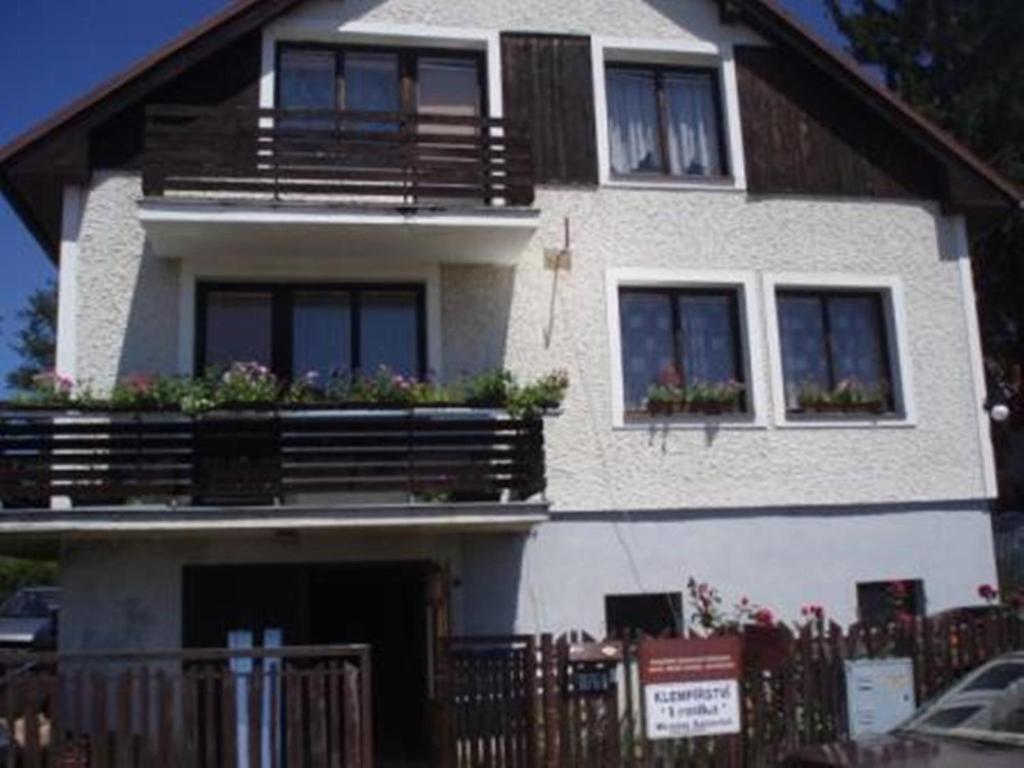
(961,62)
(694,396)
(250,384)
(36,339)
(849,393)
(16,573)
(489,389)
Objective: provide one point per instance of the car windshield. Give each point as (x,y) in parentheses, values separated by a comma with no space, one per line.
(988,705)
(30,604)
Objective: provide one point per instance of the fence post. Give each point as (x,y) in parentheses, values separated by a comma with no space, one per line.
(550,689)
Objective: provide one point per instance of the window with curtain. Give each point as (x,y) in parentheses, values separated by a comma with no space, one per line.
(321,329)
(664,121)
(679,336)
(831,342)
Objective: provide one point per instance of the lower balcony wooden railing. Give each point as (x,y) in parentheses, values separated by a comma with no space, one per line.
(245,457)
(303,706)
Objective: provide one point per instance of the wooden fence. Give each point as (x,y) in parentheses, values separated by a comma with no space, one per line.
(524,702)
(306,707)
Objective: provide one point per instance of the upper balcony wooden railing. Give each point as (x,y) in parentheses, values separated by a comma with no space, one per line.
(408,159)
(251,457)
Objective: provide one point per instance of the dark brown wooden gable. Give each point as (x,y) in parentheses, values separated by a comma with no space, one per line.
(229,77)
(548,83)
(804,135)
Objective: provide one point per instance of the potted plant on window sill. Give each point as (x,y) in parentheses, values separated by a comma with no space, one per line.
(704,398)
(849,397)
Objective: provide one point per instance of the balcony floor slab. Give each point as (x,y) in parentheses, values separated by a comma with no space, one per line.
(21,526)
(210,227)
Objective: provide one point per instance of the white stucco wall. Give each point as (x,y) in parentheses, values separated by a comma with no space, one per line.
(685,19)
(787,515)
(128,593)
(127,300)
(533,322)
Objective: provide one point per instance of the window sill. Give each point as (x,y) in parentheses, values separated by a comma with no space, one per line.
(844,421)
(702,183)
(689,422)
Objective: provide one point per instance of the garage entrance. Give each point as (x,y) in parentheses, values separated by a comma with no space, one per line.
(398,609)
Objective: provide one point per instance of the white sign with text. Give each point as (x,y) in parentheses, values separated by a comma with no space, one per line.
(697,708)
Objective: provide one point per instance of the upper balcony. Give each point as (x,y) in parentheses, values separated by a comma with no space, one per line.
(92,470)
(330,183)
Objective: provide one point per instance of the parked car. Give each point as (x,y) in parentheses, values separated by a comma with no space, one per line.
(28,619)
(978,722)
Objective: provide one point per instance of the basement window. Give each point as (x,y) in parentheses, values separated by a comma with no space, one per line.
(653,613)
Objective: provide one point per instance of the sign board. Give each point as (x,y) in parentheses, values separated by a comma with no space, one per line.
(879,694)
(594,666)
(691,687)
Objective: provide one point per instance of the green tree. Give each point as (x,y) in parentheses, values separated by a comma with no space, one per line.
(961,63)
(16,573)
(36,339)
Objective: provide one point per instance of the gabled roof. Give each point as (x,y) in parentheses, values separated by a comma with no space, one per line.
(243,16)
(775,22)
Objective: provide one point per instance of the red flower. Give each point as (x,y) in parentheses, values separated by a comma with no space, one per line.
(764,617)
(987,592)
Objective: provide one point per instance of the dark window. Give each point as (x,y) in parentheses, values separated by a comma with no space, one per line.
(882,602)
(665,121)
(328,329)
(835,351)
(365,79)
(308,79)
(238,327)
(680,337)
(651,614)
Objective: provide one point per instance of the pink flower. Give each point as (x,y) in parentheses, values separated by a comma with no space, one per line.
(670,377)
(764,617)
(52,380)
(744,601)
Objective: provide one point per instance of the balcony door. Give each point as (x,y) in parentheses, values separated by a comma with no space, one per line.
(364,79)
(324,329)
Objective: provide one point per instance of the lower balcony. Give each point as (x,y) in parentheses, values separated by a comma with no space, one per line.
(275,469)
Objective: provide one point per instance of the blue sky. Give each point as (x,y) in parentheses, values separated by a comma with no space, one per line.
(52,51)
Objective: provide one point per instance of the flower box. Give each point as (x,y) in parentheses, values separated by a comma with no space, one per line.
(710,408)
(875,408)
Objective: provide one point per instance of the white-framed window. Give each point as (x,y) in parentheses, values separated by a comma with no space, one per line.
(838,350)
(685,349)
(667,114)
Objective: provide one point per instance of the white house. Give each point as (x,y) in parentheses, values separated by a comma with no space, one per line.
(639,192)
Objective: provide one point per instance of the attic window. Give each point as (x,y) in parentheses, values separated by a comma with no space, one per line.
(665,121)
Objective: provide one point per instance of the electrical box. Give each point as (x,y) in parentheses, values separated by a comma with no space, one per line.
(879,694)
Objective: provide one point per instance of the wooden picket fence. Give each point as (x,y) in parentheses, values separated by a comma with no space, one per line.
(298,706)
(523,702)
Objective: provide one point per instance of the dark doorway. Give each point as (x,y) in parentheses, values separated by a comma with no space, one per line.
(384,605)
